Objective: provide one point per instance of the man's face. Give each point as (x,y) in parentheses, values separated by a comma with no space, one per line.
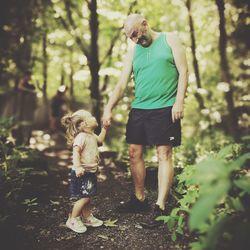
(138,33)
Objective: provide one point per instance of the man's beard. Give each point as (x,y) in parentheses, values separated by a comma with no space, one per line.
(144,41)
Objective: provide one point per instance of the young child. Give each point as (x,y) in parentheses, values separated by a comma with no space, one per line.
(80,128)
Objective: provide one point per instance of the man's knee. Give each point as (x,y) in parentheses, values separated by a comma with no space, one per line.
(164,153)
(135,152)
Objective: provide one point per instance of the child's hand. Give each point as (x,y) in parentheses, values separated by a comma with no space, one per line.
(79,171)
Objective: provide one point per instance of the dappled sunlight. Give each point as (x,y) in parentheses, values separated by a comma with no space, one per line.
(62,163)
(64,154)
(41,140)
(50,154)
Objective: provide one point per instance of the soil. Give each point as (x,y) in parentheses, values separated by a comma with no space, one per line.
(43,225)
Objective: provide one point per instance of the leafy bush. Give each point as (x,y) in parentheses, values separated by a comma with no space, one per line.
(22,170)
(215,193)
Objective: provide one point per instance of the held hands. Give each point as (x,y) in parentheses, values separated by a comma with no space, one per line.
(106,119)
(177,111)
(79,171)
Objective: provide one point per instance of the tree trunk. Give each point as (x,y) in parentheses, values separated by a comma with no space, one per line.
(225,72)
(195,61)
(71,82)
(45,64)
(62,77)
(94,63)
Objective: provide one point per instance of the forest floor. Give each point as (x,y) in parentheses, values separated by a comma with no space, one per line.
(43,225)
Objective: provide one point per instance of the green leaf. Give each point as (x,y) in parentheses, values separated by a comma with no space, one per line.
(55,202)
(205,204)
(210,170)
(196,246)
(243,183)
(237,164)
(171,223)
(104,237)
(164,218)
(173,236)
(110,223)
(236,203)
(180,220)
(174,211)
(179,230)
(225,152)
(8,194)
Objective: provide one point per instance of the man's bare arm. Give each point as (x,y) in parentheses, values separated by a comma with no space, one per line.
(120,87)
(181,65)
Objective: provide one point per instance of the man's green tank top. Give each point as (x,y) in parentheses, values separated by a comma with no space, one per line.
(155,75)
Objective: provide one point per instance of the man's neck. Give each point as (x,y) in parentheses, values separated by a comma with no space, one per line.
(154,35)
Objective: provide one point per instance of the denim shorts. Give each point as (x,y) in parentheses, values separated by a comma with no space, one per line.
(153,127)
(83,186)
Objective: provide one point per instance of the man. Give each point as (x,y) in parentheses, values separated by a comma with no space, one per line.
(59,106)
(25,109)
(159,65)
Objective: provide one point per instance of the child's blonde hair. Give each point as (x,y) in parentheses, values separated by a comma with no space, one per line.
(71,122)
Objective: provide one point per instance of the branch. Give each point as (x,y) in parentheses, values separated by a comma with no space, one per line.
(115,38)
(79,41)
(112,44)
(77,11)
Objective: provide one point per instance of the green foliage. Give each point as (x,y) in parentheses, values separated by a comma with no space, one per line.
(215,192)
(29,203)
(9,153)
(19,167)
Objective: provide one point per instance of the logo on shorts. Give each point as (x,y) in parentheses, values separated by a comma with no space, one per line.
(171,138)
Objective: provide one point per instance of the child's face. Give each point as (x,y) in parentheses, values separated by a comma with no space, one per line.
(89,121)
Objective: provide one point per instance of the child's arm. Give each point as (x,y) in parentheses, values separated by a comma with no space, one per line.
(77,162)
(101,136)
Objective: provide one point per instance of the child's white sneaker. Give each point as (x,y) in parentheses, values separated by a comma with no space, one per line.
(92,221)
(76,225)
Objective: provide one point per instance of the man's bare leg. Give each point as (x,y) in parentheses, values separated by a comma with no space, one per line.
(137,169)
(165,174)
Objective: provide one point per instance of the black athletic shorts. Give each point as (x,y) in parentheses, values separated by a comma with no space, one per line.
(153,127)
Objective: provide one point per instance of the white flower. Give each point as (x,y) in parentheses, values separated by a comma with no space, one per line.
(223,86)
(204,125)
(216,116)
(205,111)
(202,91)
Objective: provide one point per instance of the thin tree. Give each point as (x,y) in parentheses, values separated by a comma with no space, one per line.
(195,61)
(225,71)
(45,59)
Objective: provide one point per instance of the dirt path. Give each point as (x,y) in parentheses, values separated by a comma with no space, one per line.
(44,225)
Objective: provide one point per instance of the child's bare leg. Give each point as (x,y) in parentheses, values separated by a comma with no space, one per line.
(88,217)
(78,207)
(86,211)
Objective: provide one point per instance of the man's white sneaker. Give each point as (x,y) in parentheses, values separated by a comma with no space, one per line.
(76,225)
(92,221)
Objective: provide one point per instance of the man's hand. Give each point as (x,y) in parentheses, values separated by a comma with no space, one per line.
(177,111)
(106,119)
(79,171)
